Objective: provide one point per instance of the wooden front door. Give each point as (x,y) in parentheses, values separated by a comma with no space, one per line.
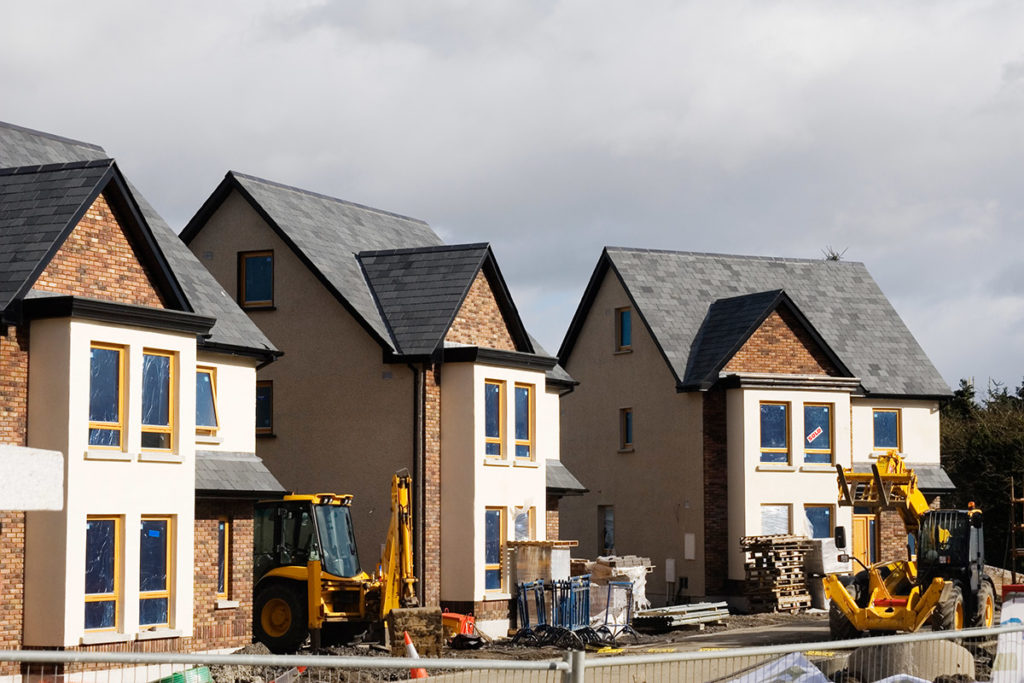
(864,546)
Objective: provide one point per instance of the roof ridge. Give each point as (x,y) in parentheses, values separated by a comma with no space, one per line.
(59,166)
(51,136)
(424,250)
(318,195)
(744,257)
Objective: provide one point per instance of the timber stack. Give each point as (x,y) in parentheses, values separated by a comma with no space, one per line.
(776,581)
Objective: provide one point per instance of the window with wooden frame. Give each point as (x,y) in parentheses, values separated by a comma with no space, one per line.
(818,521)
(206,401)
(102,573)
(157,400)
(223,557)
(264,407)
(106,396)
(606,529)
(524,425)
(775,519)
(623,329)
(887,429)
(625,429)
(774,432)
(155,560)
(494,418)
(818,433)
(256,279)
(494,542)
(524,524)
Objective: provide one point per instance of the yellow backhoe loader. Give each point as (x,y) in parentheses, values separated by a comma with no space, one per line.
(945,585)
(307,578)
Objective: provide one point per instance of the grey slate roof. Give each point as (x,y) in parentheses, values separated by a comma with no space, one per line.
(25,147)
(931,479)
(673,291)
(38,205)
(235,473)
(560,479)
(419,291)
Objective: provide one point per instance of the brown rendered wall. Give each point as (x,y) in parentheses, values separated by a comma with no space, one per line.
(716,492)
(781,345)
(97,261)
(432,490)
(479,321)
(230,627)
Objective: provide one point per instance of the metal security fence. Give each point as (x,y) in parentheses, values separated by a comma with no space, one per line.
(995,655)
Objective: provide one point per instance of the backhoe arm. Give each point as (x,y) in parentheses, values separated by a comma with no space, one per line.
(396,563)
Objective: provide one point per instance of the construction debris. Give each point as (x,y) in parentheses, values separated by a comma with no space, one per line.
(664,618)
(776,581)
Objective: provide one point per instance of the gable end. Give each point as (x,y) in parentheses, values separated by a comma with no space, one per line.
(783,346)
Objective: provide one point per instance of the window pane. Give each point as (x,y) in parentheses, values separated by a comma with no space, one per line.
(264,406)
(492,410)
(206,414)
(625,329)
(627,427)
(523,526)
(493,448)
(259,274)
(886,429)
(606,514)
(819,521)
(100,540)
(818,433)
(104,437)
(774,519)
(153,555)
(156,440)
(492,579)
(156,388)
(100,614)
(523,413)
(222,554)
(492,534)
(153,611)
(773,426)
(104,394)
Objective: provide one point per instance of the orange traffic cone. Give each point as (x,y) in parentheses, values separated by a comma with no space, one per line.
(410,651)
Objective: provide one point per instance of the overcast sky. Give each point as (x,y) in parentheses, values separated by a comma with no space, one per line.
(892,130)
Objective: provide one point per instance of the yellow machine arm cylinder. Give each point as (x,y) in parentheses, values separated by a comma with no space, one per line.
(396,563)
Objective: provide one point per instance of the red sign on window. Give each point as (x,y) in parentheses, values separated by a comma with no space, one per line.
(814,435)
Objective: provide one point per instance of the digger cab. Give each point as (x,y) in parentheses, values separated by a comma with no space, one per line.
(292,531)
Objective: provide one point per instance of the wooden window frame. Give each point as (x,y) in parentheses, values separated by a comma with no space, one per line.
(620,347)
(111,426)
(899,429)
(627,429)
(503,540)
(789,436)
(116,595)
(167,429)
(502,417)
(260,303)
(207,430)
(266,431)
(531,531)
(531,421)
(168,571)
(224,563)
(831,516)
(831,450)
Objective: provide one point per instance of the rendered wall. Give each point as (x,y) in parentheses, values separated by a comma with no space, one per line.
(919,424)
(236,392)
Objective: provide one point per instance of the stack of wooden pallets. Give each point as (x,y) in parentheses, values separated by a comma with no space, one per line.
(776,581)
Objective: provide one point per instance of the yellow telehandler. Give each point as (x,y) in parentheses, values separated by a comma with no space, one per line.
(307,579)
(946,585)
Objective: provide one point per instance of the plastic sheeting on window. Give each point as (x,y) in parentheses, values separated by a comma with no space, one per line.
(156,390)
(774,519)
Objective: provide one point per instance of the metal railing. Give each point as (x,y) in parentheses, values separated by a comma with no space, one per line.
(995,654)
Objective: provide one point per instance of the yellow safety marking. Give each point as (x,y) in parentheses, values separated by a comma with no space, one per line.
(712,649)
(820,653)
(656,650)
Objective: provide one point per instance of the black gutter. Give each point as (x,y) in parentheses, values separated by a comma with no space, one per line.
(67,306)
(418,451)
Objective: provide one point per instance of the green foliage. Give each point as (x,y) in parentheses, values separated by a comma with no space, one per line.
(982,448)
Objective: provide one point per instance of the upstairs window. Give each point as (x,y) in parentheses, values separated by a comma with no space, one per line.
(818,433)
(494,418)
(264,407)
(775,432)
(206,401)
(256,279)
(106,395)
(887,429)
(524,421)
(157,400)
(623,329)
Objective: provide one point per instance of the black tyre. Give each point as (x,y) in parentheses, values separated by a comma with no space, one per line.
(985,610)
(279,617)
(949,613)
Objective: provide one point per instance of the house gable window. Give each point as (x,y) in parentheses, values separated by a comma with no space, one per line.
(264,407)
(102,563)
(818,433)
(775,432)
(887,429)
(494,418)
(206,401)
(157,400)
(818,519)
(625,429)
(775,519)
(154,571)
(524,421)
(106,396)
(623,329)
(494,537)
(256,279)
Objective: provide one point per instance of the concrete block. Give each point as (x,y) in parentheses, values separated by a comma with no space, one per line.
(31,479)
(927,660)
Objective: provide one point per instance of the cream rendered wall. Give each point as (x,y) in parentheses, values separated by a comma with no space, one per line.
(753,483)
(471,482)
(657,489)
(343,418)
(127,483)
(919,424)
(236,403)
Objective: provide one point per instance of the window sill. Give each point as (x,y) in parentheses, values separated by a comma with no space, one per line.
(157,633)
(526,463)
(101,637)
(266,435)
(622,352)
(226,604)
(496,595)
(256,307)
(111,454)
(496,462)
(630,449)
(775,467)
(209,439)
(152,456)
(819,467)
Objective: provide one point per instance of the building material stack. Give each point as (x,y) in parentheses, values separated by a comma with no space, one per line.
(776,581)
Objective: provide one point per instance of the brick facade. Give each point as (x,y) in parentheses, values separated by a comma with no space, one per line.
(14,386)
(781,345)
(716,490)
(892,536)
(229,627)
(432,489)
(98,261)
(12,584)
(551,519)
(479,321)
